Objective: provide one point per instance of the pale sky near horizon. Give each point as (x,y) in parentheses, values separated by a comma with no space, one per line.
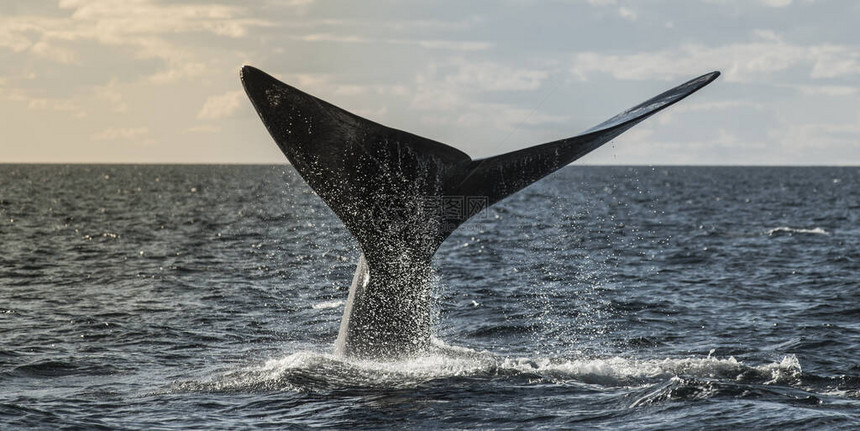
(149,81)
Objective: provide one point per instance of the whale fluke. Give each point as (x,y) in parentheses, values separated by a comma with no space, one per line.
(401,195)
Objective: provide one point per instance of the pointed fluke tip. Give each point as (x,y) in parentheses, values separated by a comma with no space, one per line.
(248,72)
(710,77)
(255,80)
(697,83)
(253,75)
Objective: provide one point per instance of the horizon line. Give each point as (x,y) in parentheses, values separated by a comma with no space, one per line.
(288,164)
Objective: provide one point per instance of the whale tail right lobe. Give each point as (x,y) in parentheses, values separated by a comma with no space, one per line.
(500,176)
(402,195)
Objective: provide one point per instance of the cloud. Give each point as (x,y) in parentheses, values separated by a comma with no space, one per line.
(767,3)
(449,45)
(670,115)
(624,12)
(221,106)
(178,70)
(46,104)
(451,94)
(204,128)
(460,75)
(828,90)
(489,76)
(767,35)
(112,134)
(720,105)
(437,98)
(111,94)
(52,52)
(740,62)
(776,3)
(372,113)
(327,37)
(13,34)
(490,116)
(310,80)
(117,19)
(642,146)
(818,136)
(833,61)
(146,26)
(784,142)
(627,13)
(327,85)
(452,45)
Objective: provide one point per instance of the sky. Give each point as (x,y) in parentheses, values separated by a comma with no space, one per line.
(149,81)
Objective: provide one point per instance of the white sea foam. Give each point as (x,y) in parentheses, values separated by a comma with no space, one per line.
(328,304)
(307,370)
(785,230)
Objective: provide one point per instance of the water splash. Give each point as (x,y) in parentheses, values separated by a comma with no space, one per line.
(308,371)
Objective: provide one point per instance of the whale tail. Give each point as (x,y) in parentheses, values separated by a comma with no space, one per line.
(401,195)
(376,178)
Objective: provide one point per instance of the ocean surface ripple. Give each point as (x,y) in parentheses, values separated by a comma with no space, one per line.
(209,297)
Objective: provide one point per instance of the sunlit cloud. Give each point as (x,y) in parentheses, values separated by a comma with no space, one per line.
(114,20)
(60,105)
(222,106)
(178,71)
(145,26)
(54,53)
(13,33)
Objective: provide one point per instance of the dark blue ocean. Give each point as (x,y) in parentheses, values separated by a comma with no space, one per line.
(209,297)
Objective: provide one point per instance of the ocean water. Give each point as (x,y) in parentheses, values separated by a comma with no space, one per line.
(209,297)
